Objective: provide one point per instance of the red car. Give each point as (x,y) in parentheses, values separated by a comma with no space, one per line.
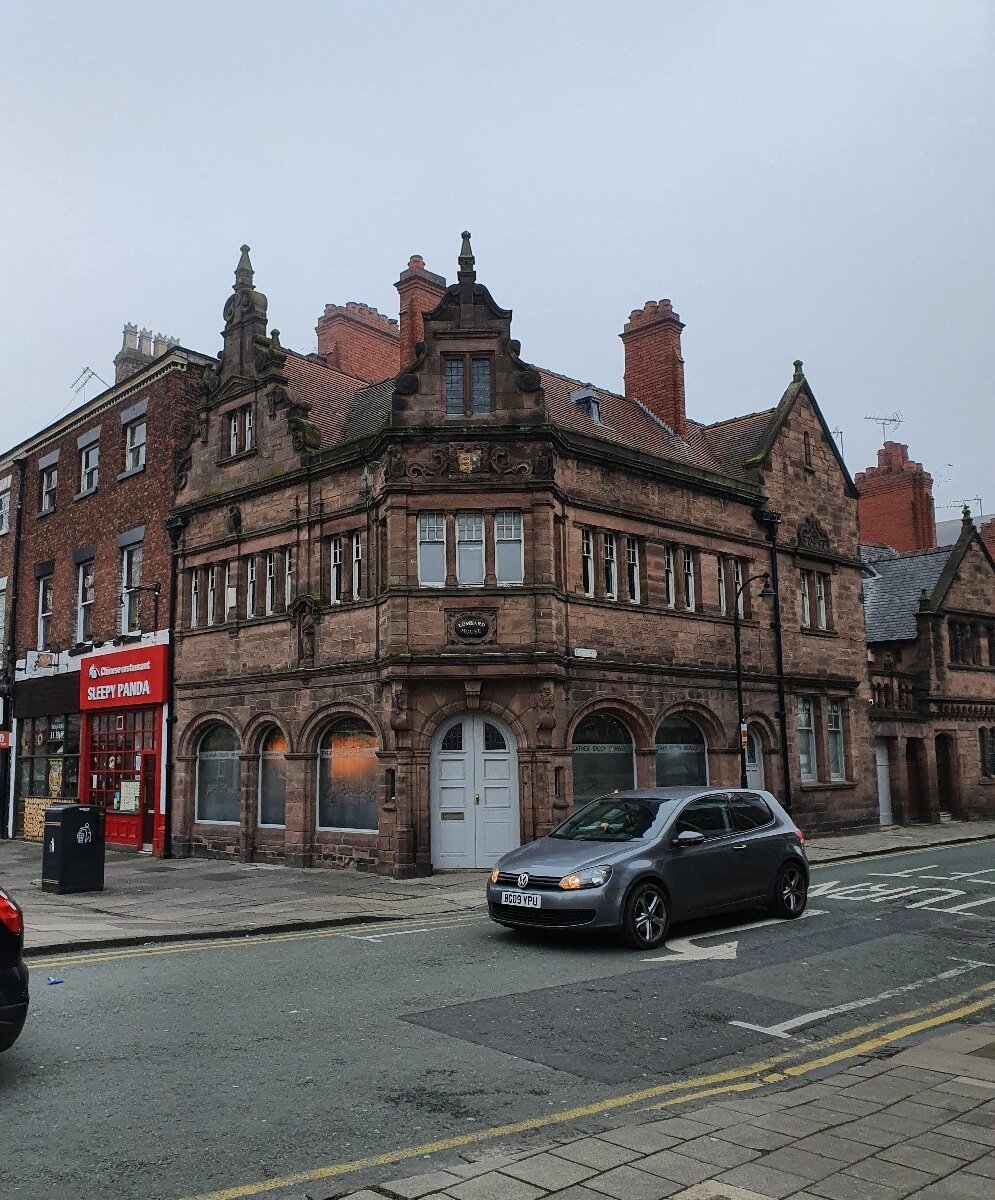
(13,972)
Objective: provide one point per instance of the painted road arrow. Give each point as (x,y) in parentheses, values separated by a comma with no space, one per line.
(687,949)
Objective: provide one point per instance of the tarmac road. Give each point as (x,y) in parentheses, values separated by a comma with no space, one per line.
(173,1071)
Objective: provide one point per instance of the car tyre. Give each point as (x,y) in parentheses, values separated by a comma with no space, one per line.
(790,892)
(646,918)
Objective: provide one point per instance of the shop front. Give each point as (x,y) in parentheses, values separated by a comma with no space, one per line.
(122,697)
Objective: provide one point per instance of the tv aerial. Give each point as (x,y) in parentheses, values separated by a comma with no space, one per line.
(893,422)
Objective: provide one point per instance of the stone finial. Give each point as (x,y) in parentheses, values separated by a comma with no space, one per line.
(466,259)
(924,601)
(243,272)
(798,370)
(966,516)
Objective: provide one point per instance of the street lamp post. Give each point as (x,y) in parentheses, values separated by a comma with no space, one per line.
(766,592)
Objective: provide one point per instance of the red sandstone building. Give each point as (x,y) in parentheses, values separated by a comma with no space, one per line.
(432,595)
(85,599)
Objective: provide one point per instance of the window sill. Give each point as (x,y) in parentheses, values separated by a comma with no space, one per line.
(83,495)
(239,457)
(836,785)
(969,667)
(44,512)
(819,633)
(202,821)
(345,829)
(79,649)
(123,639)
(129,472)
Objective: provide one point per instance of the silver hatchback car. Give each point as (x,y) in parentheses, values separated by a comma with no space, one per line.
(633,861)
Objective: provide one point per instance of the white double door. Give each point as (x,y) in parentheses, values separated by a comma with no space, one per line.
(474,792)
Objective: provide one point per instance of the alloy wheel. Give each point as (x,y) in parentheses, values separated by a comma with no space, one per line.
(792,889)
(649,915)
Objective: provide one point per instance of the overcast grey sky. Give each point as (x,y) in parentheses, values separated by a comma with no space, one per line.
(801,179)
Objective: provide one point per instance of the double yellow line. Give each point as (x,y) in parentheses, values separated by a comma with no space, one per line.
(861,1040)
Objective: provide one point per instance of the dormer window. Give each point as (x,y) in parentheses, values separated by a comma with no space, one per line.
(588,403)
(241,431)
(467,379)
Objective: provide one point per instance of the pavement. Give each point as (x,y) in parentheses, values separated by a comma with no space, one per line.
(146,899)
(917,1125)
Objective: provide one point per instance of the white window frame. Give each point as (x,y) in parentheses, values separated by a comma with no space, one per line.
(821,611)
(834,739)
(212,595)
(130,592)
(49,488)
(806,705)
(357,565)
(689,594)
(250,586)
(269,599)
(134,450)
(508,530)
(233,433)
(806,601)
(609,565)
(587,561)
(632,569)
(83,605)
(231,594)
(45,584)
(737,581)
(723,599)
(668,575)
(430,524)
(248,428)
(4,510)
(194,598)
(470,535)
(288,576)
(89,468)
(335,569)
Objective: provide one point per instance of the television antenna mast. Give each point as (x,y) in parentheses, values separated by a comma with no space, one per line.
(838,435)
(966,504)
(83,378)
(894,421)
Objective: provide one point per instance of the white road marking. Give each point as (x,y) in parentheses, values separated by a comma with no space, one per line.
(784,1029)
(378,937)
(688,950)
(959,908)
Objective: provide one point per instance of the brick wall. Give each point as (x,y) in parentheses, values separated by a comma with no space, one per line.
(654,368)
(358,340)
(895,501)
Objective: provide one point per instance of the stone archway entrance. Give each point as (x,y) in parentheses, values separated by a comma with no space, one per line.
(947,774)
(474,792)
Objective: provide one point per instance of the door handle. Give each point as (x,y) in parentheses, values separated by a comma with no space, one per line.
(476,798)
(740,846)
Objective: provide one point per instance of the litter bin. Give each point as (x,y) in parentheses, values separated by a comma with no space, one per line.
(73,854)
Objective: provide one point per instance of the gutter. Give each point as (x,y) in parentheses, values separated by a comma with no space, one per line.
(7,775)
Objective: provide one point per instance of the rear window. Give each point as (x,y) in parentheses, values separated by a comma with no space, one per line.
(750,811)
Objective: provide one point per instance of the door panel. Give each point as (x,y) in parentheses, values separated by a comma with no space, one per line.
(702,876)
(883,769)
(758,844)
(474,794)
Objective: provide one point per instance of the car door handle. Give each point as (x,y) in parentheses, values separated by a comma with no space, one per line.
(740,846)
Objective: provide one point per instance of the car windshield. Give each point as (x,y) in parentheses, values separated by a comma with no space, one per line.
(612,819)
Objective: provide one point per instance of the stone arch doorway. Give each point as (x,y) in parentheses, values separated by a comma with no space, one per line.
(473,777)
(948,774)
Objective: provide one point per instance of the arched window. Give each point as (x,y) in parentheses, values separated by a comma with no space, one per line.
(217,776)
(272,778)
(603,760)
(348,777)
(680,754)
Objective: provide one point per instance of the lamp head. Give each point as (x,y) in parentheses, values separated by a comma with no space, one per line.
(766,592)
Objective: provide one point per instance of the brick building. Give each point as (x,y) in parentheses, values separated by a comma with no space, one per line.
(931,641)
(895,501)
(85,596)
(432,595)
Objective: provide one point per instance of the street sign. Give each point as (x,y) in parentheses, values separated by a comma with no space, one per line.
(4,739)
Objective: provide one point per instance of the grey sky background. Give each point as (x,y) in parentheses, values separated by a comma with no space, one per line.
(801,179)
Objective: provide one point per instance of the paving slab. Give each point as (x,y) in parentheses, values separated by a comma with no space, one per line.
(549,1171)
(764,1180)
(597,1152)
(494,1186)
(629,1183)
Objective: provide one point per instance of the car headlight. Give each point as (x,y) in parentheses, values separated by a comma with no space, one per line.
(592,877)
(494,875)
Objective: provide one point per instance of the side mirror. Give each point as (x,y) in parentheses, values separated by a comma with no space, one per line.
(688,837)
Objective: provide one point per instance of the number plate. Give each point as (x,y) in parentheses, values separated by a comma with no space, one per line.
(522,899)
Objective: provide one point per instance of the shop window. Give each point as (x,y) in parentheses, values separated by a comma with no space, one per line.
(117,742)
(587,561)
(467,380)
(469,549)
(131,589)
(509,551)
(45,603)
(273,778)
(632,569)
(805,718)
(85,592)
(610,566)
(134,445)
(603,757)
(217,776)
(348,777)
(681,757)
(834,740)
(432,550)
(49,486)
(48,761)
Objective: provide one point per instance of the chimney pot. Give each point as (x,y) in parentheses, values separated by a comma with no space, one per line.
(654,366)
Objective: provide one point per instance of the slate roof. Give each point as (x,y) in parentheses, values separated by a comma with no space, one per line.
(736,440)
(891,594)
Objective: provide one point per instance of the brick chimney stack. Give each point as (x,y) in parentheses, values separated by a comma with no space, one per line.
(420,291)
(654,368)
(895,501)
(138,349)
(358,340)
(987,532)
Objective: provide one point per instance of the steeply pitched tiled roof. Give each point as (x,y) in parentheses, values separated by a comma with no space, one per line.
(330,393)
(891,595)
(736,440)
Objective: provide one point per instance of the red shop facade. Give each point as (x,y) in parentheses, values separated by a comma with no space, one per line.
(122,698)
